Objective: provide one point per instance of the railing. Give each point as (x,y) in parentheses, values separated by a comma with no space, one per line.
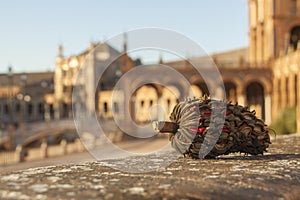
(10,157)
(42,152)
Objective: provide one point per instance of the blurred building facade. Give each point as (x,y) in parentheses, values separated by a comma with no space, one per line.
(84,71)
(274,35)
(23,96)
(264,76)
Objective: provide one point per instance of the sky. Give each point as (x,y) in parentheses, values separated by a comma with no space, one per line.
(31,30)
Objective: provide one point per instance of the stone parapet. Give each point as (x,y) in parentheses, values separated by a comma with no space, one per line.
(276,175)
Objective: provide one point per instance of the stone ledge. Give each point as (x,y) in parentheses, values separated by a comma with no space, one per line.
(275,175)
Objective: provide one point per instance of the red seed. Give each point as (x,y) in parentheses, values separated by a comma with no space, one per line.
(228,112)
(201,129)
(207,112)
(226,130)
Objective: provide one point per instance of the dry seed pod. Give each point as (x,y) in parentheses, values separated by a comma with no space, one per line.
(195,126)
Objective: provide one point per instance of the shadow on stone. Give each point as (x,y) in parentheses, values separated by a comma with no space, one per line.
(262,157)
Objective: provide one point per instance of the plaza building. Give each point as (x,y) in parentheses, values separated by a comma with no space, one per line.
(264,75)
(274,34)
(83,71)
(23,96)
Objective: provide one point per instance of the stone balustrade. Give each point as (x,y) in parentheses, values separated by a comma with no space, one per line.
(42,152)
(272,176)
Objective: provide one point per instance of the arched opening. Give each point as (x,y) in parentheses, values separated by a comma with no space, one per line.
(202,87)
(230,89)
(255,98)
(151,103)
(51,111)
(168,103)
(295,36)
(141,102)
(30,109)
(105,106)
(195,91)
(41,108)
(65,110)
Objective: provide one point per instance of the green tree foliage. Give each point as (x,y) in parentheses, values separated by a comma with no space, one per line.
(286,121)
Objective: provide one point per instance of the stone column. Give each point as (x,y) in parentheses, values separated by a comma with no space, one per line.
(275,98)
(252,46)
(283,92)
(298,104)
(298,117)
(70,113)
(268,109)
(127,107)
(24,111)
(11,136)
(20,153)
(259,45)
(47,112)
(57,110)
(219,93)
(240,95)
(44,149)
(90,74)
(34,110)
(298,5)
(291,90)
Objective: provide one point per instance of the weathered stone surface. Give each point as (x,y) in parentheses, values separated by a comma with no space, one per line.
(276,175)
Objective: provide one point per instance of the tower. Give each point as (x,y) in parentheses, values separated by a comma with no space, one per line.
(274,29)
(60,50)
(124,43)
(125,61)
